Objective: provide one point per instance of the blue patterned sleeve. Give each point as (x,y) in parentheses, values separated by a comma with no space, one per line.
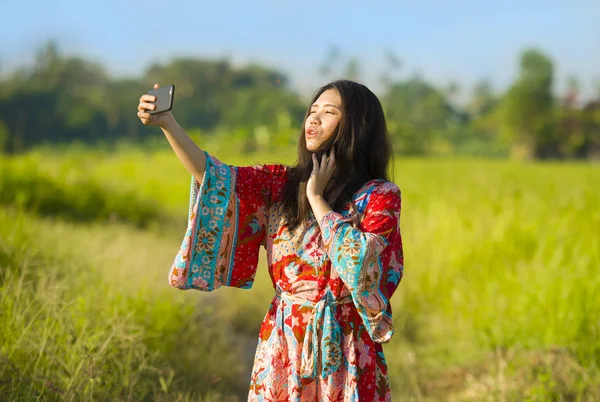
(226,226)
(368,257)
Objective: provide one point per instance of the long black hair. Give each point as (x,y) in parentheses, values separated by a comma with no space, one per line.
(363,152)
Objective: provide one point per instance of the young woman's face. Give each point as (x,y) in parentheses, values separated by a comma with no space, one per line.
(325,115)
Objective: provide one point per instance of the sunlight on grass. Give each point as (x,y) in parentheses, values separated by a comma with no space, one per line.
(499,300)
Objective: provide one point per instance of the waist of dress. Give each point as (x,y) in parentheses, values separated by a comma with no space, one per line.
(300,299)
(321,347)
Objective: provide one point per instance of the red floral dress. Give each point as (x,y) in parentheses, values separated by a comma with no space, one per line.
(333,280)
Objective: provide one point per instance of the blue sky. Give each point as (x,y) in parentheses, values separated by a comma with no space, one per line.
(460,40)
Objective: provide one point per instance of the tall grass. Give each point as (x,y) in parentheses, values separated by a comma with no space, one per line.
(500,298)
(501,263)
(72,195)
(84,316)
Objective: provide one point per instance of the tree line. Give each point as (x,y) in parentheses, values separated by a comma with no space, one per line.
(62,99)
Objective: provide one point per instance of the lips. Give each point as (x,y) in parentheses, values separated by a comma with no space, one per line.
(311,132)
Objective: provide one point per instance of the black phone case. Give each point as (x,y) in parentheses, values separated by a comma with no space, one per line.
(164,99)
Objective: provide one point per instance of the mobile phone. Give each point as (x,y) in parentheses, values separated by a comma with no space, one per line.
(164,98)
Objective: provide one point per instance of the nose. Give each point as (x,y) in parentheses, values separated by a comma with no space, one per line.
(314,119)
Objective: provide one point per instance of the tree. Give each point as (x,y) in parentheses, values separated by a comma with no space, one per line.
(418,116)
(482,98)
(3,136)
(452,90)
(528,107)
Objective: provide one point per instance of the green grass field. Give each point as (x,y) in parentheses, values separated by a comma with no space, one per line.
(500,299)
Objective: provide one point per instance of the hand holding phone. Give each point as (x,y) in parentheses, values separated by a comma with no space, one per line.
(164,99)
(154,107)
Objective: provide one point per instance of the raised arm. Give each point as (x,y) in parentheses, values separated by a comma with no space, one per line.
(227,225)
(188,152)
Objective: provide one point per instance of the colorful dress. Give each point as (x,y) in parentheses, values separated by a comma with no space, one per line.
(321,338)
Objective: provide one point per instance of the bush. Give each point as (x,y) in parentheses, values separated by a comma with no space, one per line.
(24,185)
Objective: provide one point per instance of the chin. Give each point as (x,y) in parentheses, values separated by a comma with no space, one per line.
(312,147)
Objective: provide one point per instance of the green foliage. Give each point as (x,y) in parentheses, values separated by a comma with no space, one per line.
(23,184)
(4,134)
(72,330)
(214,93)
(64,99)
(503,258)
(528,105)
(498,300)
(417,114)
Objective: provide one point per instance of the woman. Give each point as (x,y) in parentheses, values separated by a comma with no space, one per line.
(330,226)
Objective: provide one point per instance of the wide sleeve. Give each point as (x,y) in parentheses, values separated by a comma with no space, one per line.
(226,226)
(368,256)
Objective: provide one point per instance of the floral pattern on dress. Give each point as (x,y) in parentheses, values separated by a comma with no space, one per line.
(322,336)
